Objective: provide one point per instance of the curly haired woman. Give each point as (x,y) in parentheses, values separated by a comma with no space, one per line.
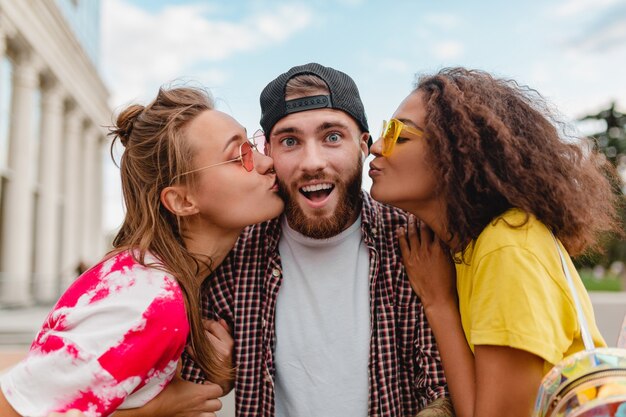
(487,170)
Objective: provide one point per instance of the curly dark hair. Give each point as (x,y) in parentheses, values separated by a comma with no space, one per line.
(496,145)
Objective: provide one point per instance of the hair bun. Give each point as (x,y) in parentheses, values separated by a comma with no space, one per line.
(126,121)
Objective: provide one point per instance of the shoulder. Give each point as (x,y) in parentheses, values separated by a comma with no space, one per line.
(151,272)
(259,234)
(514,229)
(118,276)
(384,217)
(383,221)
(515,250)
(115,300)
(255,244)
(122,278)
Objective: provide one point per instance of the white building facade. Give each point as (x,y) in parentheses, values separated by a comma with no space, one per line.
(53,118)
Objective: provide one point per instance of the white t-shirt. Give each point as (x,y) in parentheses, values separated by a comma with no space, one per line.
(323,325)
(112,341)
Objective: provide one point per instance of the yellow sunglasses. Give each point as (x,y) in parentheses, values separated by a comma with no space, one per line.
(391,132)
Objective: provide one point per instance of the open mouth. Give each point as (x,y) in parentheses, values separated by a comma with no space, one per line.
(317,192)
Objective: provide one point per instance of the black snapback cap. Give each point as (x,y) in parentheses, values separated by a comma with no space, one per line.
(344,95)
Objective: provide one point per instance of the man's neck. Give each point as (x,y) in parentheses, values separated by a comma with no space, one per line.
(353,218)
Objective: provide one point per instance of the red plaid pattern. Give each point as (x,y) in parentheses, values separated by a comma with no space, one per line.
(404,365)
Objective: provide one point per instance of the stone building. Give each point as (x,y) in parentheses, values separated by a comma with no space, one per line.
(53,113)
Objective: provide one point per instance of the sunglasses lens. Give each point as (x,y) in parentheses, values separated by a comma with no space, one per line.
(389,136)
(258,138)
(383,135)
(247,156)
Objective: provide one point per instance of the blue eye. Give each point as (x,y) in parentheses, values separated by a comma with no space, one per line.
(288,142)
(333,137)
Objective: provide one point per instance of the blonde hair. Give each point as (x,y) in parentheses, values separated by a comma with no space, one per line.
(155,153)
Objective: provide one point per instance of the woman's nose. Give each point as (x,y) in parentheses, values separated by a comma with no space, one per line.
(377,147)
(263,164)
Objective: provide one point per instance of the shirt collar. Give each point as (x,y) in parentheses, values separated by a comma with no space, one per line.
(370,220)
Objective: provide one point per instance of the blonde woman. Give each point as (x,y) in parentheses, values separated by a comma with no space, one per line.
(191,182)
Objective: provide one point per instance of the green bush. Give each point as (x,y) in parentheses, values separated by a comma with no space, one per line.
(608,282)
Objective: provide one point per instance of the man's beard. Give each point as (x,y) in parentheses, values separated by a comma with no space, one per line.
(349,202)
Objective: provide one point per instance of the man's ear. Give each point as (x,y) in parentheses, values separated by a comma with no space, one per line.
(178,201)
(267,148)
(365,143)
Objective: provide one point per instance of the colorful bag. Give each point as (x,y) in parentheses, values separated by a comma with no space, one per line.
(621,340)
(590,383)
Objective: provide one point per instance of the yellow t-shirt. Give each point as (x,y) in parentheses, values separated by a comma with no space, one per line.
(513,292)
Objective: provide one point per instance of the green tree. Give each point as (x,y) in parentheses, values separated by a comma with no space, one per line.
(612,143)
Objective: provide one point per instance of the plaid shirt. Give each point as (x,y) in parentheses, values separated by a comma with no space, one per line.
(405,370)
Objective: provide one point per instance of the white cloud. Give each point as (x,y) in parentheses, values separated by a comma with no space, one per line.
(448,50)
(571,8)
(352,3)
(589,127)
(540,73)
(611,35)
(443,21)
(576,106)
(276,26)
(211,77)
(142,50)
(393,65)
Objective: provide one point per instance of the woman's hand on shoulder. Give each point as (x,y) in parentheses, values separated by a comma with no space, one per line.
(428,264)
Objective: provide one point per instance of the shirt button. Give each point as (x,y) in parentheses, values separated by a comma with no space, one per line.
(263,323)
(276,272)
(374,231)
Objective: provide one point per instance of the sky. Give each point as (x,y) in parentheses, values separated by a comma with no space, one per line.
(572,51)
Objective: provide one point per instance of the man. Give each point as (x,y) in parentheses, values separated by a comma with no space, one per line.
(324,319)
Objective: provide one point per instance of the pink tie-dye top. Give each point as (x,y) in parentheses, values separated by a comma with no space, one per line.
(112,341)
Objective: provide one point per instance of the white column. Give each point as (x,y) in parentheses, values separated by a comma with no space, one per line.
(3,49)
(100,247)
(4,238)
(7,30)
(89,190)
(17,219)
(47,241)
(70,252)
